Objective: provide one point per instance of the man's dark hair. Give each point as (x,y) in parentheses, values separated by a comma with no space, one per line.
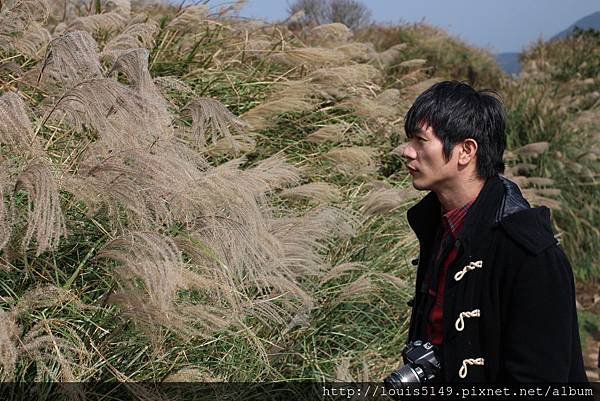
(456,112)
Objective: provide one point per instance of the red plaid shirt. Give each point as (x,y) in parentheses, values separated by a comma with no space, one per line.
(452,223)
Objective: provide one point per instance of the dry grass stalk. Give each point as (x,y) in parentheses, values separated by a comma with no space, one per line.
(189,19)
(305,239)
(342,371)
(134,36)
(385,200)
(389,98)
(411,92)
(192,375)
(33,40)
(330,133)
(301,318)
(397,282)
(107,23)
(119,6)
(134,65)
(211,117)
(520,168)
(262,116)
(234,146)
(359,287)
(273,173)
(532,149)
(9,335)
(123,117)
(351,75)
(369,109)
(536,198)
(45,217)
(341,269)
(156,261)
(6,211)
(354,161)
(71,60)
(153,187)
(318,191)
(17,17)
(168,84)
(540,181)
(256,47)
(359,52)
(308,56)
(48,342)
(16,130)
(329,35)
(417,62)
(389,56)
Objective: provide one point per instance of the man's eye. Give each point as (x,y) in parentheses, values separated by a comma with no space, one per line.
(421,139)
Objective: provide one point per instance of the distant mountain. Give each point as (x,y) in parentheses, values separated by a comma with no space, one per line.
(509,62)
(591,21)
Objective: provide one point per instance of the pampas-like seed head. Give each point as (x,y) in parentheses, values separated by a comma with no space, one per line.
(356,51)
(99,23)
(350,75)
(211,117)
(386,200)
(532,149)
(139,35)
(156,261)
(33,40)
(369,108)
(9,335)
(262,116)
(72,59)
(330,133)
(359,287)
(16,130)
(317,191)
(417,62)
(45,217)
(308,56)
(353,161)
(189,19)
(389,56)
(17,17)
(329,35)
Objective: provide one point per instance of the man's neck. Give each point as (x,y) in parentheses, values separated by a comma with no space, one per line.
(460,194)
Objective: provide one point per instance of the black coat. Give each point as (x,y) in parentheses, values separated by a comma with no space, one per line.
(510,268)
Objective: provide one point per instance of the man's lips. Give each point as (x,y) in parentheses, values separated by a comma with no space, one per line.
(412,169)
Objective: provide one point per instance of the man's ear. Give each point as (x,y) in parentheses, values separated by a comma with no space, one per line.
(467,151)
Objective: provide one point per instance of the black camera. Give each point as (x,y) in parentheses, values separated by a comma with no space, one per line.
(421,365)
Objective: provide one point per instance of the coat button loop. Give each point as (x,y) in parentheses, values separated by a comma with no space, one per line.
(415,262)
(411,302)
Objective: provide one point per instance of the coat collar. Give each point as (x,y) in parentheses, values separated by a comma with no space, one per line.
(424,217)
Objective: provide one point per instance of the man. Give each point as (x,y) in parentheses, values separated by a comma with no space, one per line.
(494,291)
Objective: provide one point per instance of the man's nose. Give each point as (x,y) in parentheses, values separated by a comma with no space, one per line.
(408,152)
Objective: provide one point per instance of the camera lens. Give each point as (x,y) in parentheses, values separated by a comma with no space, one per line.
(404,375)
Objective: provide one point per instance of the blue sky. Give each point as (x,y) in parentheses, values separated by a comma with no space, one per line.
(501,26)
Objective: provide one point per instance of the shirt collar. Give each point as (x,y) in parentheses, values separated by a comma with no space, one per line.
(453,220)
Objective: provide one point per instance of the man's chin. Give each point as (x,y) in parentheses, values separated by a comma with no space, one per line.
(419,186)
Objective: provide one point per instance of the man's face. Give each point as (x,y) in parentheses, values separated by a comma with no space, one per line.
(426,163)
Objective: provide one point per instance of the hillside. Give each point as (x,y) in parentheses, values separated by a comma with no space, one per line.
(591,21)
